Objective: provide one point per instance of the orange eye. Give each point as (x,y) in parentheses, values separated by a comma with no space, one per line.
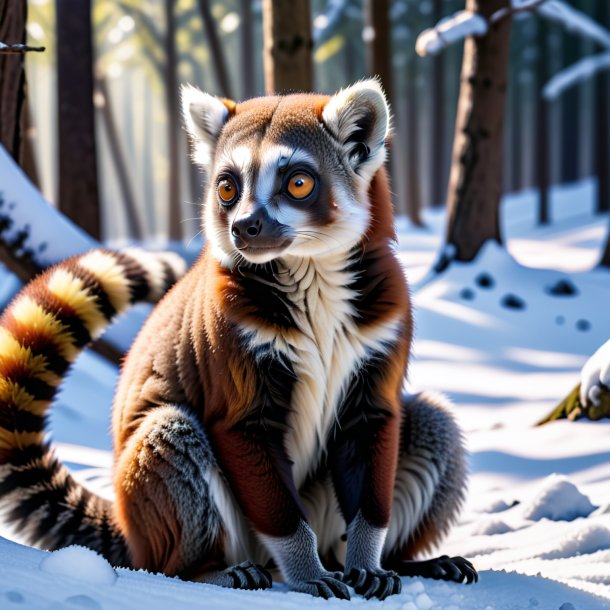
(227,191)
(300,185)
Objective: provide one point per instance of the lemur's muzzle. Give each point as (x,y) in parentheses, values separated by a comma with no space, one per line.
(258,230)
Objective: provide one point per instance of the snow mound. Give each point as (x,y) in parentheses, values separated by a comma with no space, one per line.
(559,500)
(496,506)
(81,563)
(583,541)
(491,528)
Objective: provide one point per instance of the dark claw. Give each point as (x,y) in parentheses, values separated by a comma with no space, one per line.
(453,569)
(374,583)
(328,586)
(324,590)
(250,576)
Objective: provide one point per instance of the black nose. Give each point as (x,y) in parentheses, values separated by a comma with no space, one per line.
(248,226)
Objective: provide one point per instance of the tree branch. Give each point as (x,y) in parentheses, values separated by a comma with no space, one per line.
(512,10)
(17,49)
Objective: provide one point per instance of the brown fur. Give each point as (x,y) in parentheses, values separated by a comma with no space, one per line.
(207,401)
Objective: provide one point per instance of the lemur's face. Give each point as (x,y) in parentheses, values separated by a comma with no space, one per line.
(287,175)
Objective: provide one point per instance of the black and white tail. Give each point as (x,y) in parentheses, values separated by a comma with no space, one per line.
(41,333)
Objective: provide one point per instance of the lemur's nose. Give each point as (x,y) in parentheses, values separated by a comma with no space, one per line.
(249,225)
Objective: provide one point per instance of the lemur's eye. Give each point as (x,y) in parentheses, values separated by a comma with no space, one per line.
(300,185)
(228,191)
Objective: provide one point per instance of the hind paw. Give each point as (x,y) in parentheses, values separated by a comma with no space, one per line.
(454,569)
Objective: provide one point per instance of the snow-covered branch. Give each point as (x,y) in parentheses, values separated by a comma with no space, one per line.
(451,29)
(575,21)
(577,72)
(579,23)
(462,24)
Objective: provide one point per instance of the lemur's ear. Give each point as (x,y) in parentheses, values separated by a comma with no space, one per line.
(359,118)
(204,117)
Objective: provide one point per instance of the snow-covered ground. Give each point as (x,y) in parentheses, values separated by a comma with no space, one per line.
(505,338)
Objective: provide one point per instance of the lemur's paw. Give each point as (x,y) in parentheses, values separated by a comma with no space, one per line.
(327,586)
(373,583)
(248,575)
(455,569)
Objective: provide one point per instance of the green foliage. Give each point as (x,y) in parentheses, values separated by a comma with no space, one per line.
(571,408)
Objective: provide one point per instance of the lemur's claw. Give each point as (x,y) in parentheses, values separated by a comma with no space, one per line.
(250,576)
(454,569)
(327,587)
(374,583)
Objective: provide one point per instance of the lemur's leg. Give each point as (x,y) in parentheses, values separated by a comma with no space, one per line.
(249,445)
(429,491)
(362,459)
(167,513)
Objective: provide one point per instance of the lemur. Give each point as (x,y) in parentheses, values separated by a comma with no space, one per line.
(259,418)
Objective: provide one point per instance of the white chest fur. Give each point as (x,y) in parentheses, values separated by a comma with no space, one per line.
(327,349)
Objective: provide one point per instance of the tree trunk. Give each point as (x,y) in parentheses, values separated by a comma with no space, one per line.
(78,184)
(516,150)
(437,99)
(605,261)
(173,143)
(248,70)
(476,173)
(570,111)
(134,225)
(378,43)
(216,50)
(541,132)
(411,144)
(13,17)
(28,142)
(601,153)
(288,44)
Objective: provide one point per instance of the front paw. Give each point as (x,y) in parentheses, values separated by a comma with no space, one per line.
(250,576)
(373,583)
(327,586)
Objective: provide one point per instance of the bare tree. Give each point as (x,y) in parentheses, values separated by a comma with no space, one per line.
(288,44)
(605,260)
(78,184)
(134,225)
(476,174)
(601,153)
(173,135)
(541,131)
(378,43)
(437,140)
(218,58)
(13,16)
(414,203)
(245,51)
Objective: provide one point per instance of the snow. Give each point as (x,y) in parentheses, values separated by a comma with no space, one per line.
(32,213)
(595,373)
(536,536)
(449,30)
(559,500)
(80,563)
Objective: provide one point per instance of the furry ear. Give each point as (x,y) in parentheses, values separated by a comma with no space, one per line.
(359,118)
(204,117)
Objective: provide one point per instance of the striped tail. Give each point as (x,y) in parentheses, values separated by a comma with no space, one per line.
(41,333)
